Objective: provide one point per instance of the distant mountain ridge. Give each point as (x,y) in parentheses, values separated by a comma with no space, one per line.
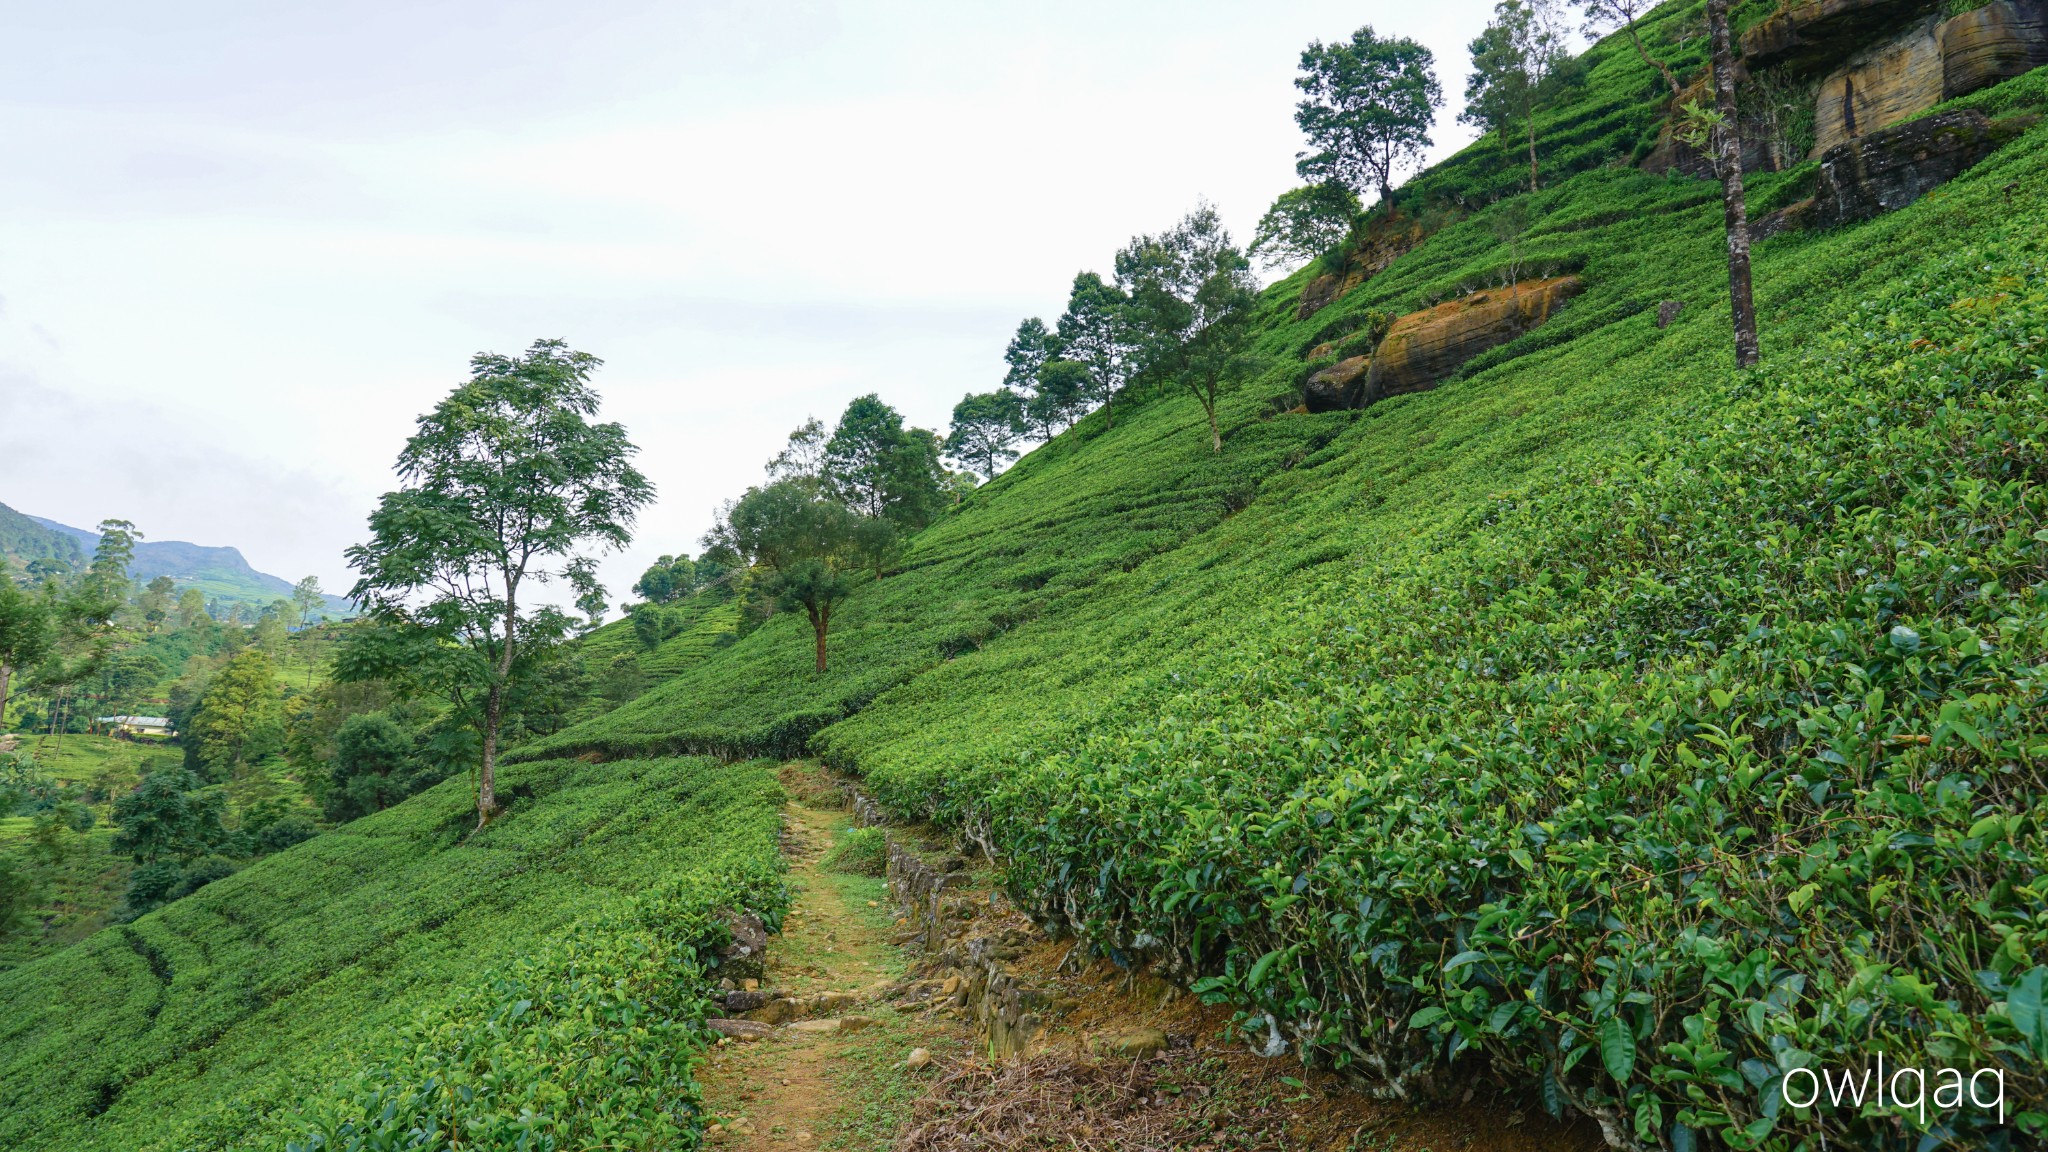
(222,573)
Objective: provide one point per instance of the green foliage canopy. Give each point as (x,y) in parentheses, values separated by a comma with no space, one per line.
(504,477)
(1367,109)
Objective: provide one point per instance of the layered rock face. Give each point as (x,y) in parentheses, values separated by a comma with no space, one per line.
(1928,62)
(1993,43)
(1898,79)
(1423,349)
(1813,35)
(1887,170)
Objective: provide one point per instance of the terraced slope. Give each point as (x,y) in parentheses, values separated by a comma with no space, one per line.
(304,993)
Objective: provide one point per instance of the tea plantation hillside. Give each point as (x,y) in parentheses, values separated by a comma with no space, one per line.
(316,993)
(1604,721)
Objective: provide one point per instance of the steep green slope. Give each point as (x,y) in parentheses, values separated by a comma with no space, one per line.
(23,540)
(1603,720)
(306,992)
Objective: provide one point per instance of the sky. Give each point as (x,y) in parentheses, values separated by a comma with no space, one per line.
(243,245)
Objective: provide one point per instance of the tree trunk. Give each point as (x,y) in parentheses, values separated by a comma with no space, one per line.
(821,620)
(1530,119)
(1734,209)
(494,713)
(1215,437)
(6,674)
(1652,61)
(487,773)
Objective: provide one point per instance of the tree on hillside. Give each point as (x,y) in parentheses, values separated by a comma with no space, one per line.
(308,598)
(986,428)
(504,478)
(155,602)
(239,719)
(1520,64)
(191,608)
(27,633)
(1603,15)
(805,453)
(1369,103)
(374,766)
(168,817)
(1028,351)
(1194,293)
(1303,224)
(667,580)
(808,540)
(881,469)
(1059,399)
(1096,331)
(1724,131)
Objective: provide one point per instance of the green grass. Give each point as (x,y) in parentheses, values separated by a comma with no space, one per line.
(208,1022)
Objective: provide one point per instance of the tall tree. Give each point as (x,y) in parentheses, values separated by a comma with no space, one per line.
(1303,224)
(1060,398)
(1726,130)
(804,455)
(155,602)
(808,540)
(27,633)
(191,608)
(1520,63)
(1368,106)
(238,719)
(1194,291)
(882,469)
(1028,351)
(504,478)
(986,428)
(1602,15)
(1096,331)
(308,598)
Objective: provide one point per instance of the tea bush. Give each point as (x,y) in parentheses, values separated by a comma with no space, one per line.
(391,954)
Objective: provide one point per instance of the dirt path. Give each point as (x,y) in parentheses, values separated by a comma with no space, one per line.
(835,1074)
(837,1080)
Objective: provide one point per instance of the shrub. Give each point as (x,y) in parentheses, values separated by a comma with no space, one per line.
(860,852)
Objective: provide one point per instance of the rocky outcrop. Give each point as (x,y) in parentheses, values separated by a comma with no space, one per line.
(1928,61)
(1992,43)
(1880,87)
(1337,386)
(1425,348)
(1811,36)
(1887,170)
(1387,237)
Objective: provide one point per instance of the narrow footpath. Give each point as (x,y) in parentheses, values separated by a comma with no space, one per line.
(839,1074)
(851,1038)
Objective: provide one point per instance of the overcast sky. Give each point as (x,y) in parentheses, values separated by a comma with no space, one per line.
(244,245)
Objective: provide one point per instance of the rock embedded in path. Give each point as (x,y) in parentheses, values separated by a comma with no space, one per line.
(1132,1043)
(740,1029)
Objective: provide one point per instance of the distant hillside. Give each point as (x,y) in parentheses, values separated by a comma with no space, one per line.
(221,573)
(24,539)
